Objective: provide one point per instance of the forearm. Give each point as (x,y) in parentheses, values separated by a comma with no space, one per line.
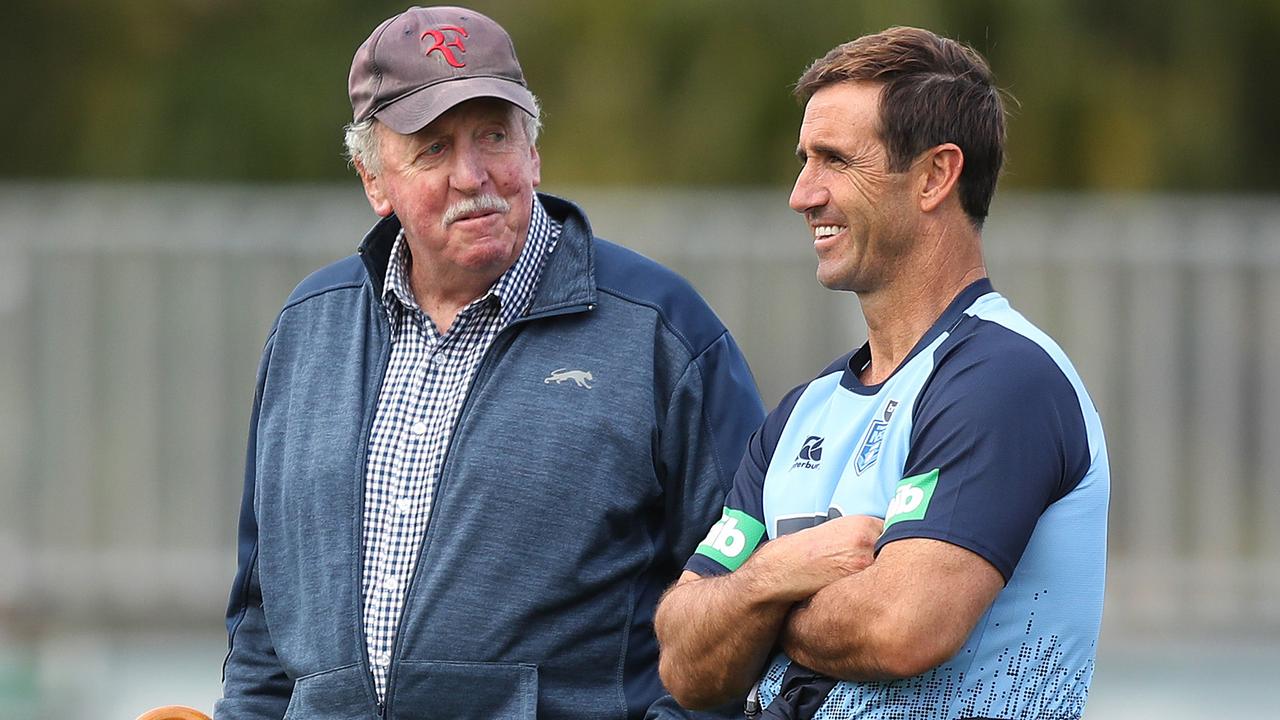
(715,636)
(837,632)
(905,614)
(716,633)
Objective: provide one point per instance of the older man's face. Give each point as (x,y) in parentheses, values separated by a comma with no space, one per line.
(462,188)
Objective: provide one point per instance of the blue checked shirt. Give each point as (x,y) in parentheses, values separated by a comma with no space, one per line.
(426,381)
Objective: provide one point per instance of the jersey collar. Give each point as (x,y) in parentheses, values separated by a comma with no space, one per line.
(945,322)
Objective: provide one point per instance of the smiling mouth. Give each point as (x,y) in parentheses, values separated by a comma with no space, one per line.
(822,232)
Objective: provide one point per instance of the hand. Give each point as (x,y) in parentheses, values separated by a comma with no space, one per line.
(794,567)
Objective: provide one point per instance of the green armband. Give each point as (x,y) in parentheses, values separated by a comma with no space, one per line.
(732,539)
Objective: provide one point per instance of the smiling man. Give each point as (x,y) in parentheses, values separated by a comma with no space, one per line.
(920,531)
(482,448)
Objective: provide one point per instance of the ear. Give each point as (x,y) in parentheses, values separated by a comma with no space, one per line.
(941,166)
(536,166)
(373,191)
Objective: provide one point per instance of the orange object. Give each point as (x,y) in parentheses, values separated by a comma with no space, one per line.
(173,712)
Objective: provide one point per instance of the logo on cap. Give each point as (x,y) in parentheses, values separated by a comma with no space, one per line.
(445,45)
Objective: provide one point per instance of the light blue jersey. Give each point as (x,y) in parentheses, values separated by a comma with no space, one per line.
(985,438)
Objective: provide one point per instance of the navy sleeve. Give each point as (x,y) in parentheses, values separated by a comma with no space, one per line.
(997,436)
(708,420)
(254,685)
(741,528)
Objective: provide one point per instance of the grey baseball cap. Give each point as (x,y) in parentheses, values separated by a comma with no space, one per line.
(422,62)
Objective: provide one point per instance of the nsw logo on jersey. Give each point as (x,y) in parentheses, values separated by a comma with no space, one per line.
(873,441)
(732,539)
(810,454)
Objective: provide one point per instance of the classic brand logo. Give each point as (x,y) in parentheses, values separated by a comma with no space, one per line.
(873,441)
(445,44)
(732,539)
(911,501)
(582,378)
(810,454)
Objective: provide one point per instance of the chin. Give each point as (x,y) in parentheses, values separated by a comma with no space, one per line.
(492,255)
(834,279)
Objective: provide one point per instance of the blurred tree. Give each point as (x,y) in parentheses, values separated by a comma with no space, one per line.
(1129,95)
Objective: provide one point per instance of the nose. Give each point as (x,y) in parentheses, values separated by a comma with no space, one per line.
(469,170)
(807,194)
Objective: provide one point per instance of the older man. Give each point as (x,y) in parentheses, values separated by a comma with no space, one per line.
(482,448)
(958,444)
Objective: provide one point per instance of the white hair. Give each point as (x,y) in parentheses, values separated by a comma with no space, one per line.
(362,144)
(362,138)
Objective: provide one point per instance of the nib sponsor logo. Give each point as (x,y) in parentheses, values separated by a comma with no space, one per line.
(732,539)
(727,538)
(911,501)
(810,454)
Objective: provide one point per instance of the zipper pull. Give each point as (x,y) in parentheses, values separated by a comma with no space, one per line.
(751,708)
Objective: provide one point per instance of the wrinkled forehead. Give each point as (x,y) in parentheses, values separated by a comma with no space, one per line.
(842,115)
(848,105)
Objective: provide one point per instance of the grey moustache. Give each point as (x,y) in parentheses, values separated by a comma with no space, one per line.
(477,204)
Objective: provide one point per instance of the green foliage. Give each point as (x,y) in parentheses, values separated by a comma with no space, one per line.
(1111,94)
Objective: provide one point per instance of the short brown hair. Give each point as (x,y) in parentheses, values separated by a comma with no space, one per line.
(935,90)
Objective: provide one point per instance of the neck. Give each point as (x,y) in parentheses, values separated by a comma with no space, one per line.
(902,311)
(442,297)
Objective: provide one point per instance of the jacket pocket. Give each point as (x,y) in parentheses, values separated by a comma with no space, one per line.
(465,691)
(338,694)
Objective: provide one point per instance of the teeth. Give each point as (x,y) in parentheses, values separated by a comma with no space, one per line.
(822,231)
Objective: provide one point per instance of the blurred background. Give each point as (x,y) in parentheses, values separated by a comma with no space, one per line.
(174,168)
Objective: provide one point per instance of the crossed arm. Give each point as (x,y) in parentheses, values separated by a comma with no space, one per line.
(819,595)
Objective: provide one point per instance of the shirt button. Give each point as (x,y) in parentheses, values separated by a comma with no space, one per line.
(404,505)
(438,358)
(388,582)
(384,658)
(419,428)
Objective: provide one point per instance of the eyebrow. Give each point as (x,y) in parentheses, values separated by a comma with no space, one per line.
(425,137)
(820,149)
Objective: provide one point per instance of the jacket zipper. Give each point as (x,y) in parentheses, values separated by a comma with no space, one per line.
(486,364)
(364,469)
